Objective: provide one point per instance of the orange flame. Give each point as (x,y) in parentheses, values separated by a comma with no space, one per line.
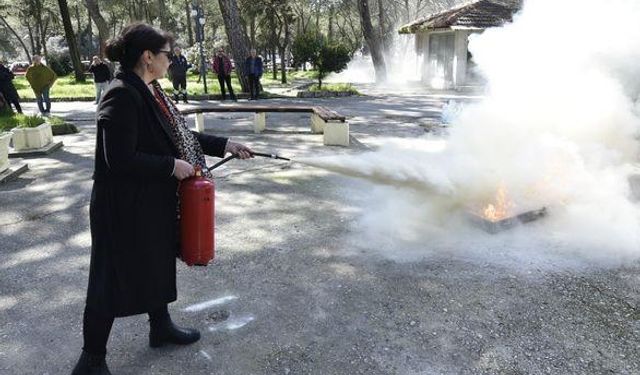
(501,208)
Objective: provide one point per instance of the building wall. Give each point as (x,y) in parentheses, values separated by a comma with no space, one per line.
(432,74)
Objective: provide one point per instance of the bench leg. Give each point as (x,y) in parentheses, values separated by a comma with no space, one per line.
(317,124)
(259,122)
(336,133)
(199,122)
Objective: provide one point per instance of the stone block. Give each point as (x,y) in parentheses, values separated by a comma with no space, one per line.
(336,133)
(32,138)
(259,122)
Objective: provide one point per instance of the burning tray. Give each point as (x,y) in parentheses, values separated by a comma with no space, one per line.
(496,226)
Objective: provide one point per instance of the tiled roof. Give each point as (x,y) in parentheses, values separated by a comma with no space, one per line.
(478,14)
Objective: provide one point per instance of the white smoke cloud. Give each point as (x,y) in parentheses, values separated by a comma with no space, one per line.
(402,64)
(558,128)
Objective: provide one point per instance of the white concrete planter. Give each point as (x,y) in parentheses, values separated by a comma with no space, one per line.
(4,151)
(32,138)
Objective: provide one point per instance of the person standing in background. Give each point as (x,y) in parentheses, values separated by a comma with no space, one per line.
(222,67)
(101,76)
(7,88)
(178,72)
(41,78)
(253,70)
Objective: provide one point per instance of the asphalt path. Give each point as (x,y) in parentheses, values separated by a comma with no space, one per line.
(296,288)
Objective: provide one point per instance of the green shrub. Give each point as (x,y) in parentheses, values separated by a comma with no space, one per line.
(9,121)
(61,64)
(335,87)
(55,120)
(61,127)
(326,56)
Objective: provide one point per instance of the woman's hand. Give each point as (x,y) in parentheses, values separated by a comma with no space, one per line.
(182,169)
(242,151)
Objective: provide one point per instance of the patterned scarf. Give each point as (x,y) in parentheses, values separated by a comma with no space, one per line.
(189,148)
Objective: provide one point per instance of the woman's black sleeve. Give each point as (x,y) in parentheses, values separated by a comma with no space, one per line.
(118,121)
(212,145)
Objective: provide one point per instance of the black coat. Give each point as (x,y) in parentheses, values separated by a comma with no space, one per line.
(134,226)
(6,85)
(179,66)
(101,73)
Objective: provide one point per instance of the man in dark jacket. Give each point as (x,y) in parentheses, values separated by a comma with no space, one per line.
(7,88)
(178,72)
(222,67)
(253,71)
(101,76)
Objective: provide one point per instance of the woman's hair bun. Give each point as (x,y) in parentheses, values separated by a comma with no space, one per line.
(115,49)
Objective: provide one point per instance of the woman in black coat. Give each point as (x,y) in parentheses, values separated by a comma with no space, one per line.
(8,89)
(143,149)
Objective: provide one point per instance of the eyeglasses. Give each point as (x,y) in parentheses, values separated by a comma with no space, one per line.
(168,53)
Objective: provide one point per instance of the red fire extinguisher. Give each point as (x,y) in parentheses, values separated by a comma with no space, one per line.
(197,215)
(197,220)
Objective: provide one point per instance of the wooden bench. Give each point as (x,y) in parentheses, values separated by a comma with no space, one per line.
(332,125)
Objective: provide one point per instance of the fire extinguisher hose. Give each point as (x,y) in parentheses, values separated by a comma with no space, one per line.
(228,158)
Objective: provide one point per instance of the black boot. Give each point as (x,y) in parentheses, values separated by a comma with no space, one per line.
(91,364)
(175,98)
(165,332)
(185,99)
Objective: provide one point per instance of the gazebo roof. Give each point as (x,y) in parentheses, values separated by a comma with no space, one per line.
(476,14)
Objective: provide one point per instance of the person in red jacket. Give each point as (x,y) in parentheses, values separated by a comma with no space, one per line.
(222,67)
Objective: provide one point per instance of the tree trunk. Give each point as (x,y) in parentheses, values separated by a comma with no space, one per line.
(90,32)
(24,46)
(162,11)
(318,21)
(101,24)
(32,40)
(330,33)
(252,30)
(373,41)
(39,28)
(187,11)
(238,40)
(71,40)
(283,64)
(78,26)
(382,28)
(283,50)
(274,66)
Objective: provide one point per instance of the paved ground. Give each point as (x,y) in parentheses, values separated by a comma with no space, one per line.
(295,288)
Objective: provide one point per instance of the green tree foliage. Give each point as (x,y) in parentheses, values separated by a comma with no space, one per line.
(327,56)
(305,48)
(333,57)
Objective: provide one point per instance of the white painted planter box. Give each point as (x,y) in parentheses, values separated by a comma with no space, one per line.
(4,151)
(32,138)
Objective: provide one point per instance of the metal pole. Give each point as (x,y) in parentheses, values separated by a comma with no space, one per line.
(203,62)
(203,69)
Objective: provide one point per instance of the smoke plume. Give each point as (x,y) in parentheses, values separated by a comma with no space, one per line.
(558,128)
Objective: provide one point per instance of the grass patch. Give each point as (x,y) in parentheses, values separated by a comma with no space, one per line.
(309,74)
(267,77)
(336,87)
(67,87)
(55,120)
(9,120)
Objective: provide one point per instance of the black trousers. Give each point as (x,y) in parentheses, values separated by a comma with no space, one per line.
(96,328)
(180,87)
(16,104)
(12,99)
(254,86)
(222,79)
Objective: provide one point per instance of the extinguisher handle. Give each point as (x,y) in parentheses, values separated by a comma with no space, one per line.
(216,165)
(272,156)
